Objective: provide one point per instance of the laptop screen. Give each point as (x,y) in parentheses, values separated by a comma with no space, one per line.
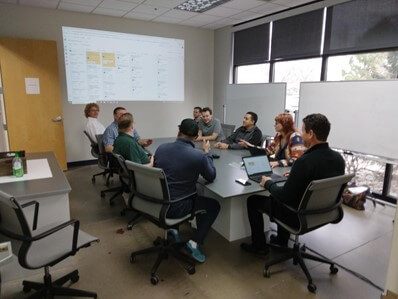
(257,164)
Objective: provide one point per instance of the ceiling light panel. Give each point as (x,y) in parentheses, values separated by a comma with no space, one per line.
(200,5)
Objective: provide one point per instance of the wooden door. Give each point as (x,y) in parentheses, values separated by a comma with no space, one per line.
(34,121)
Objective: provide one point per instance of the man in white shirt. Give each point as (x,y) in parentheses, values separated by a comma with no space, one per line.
(93,126)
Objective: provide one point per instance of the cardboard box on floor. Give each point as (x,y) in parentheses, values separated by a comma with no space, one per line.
(389,295)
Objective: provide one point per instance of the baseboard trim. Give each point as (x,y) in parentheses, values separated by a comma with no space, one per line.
(81,163)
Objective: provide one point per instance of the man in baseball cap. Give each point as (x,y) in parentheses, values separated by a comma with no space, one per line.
(182,164)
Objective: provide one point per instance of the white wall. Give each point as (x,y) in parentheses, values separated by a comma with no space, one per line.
(155,119)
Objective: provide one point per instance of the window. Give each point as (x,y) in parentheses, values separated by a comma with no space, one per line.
(257,73)
(369,66)
(393,192)
(369,172)
(294,72)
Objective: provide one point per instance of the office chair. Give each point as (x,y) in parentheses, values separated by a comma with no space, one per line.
(42,247)
(152,201)
(106,162)
(227,129)
(320,205)
(95,154)
(126,181)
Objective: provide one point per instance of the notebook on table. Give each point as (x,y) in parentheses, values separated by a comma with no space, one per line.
(258,166)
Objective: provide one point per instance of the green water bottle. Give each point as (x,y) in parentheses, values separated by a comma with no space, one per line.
(17,168)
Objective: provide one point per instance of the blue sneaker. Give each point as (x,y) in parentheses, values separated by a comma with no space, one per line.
(195,253)
(173,233)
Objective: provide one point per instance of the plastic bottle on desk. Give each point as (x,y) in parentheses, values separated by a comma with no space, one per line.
(17,168)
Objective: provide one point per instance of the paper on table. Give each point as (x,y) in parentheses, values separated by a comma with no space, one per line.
(357,190)
(238,165)
(37,169)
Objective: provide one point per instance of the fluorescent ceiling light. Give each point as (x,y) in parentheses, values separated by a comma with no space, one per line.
(200,5)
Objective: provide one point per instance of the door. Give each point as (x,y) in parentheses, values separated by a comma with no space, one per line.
(34,117)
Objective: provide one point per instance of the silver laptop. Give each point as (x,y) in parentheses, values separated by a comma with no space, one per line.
(258,166)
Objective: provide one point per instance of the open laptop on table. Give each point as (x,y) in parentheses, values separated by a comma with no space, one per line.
(258,166)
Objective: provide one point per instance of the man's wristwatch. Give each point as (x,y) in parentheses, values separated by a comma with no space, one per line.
(229,146)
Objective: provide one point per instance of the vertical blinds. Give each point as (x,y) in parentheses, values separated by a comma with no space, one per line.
(251,45)
(361,25)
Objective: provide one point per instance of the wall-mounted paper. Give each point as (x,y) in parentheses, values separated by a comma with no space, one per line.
(32,85)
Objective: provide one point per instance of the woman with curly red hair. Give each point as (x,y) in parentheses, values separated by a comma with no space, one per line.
(287,145)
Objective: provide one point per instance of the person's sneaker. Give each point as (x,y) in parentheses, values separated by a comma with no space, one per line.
(195,253)
(275,240)
(173,233)
(252,249)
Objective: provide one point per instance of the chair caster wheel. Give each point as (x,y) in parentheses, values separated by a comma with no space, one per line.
(26,289)
(154,279)
(267,273)
(133,259)
(311,287)
(333,269)
(130,227)
(102,195)
(191,270)
(75,278)
(93,180)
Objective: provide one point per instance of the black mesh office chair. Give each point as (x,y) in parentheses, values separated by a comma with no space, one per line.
(227,129)
(42,247)
(95,154)
(106,161)
(320,205)
(128,196)
(152,201)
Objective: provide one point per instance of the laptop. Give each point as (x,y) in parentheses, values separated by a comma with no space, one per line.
(258,166)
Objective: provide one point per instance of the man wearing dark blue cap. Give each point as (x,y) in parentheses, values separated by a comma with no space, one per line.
(182,164)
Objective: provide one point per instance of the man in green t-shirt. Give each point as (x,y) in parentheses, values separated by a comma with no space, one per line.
(125,144)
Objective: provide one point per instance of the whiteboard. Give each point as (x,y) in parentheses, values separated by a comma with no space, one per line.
(363,114)
(267,100)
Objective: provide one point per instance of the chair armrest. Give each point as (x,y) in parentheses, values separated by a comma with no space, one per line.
(36,214)
(76,225)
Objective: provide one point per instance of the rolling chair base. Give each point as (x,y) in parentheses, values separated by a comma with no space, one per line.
(49,289)
(298,255)
(164,248)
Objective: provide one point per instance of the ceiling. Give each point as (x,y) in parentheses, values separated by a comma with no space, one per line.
(230,13)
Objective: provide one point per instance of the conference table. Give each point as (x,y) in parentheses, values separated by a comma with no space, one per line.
(232,222)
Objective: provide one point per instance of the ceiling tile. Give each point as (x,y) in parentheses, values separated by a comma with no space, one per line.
(118,5)
(109,12)
(246,15)
(83,2)
(222,11)
(221,23)
(40,3)
(200,20)
(139,16)
(268,8)
(243,4)
(179,14)
(164,3)
(75,7)
(163,19)
(149,9)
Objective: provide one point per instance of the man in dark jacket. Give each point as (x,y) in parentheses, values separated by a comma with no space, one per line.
(248,132)
(318,162)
